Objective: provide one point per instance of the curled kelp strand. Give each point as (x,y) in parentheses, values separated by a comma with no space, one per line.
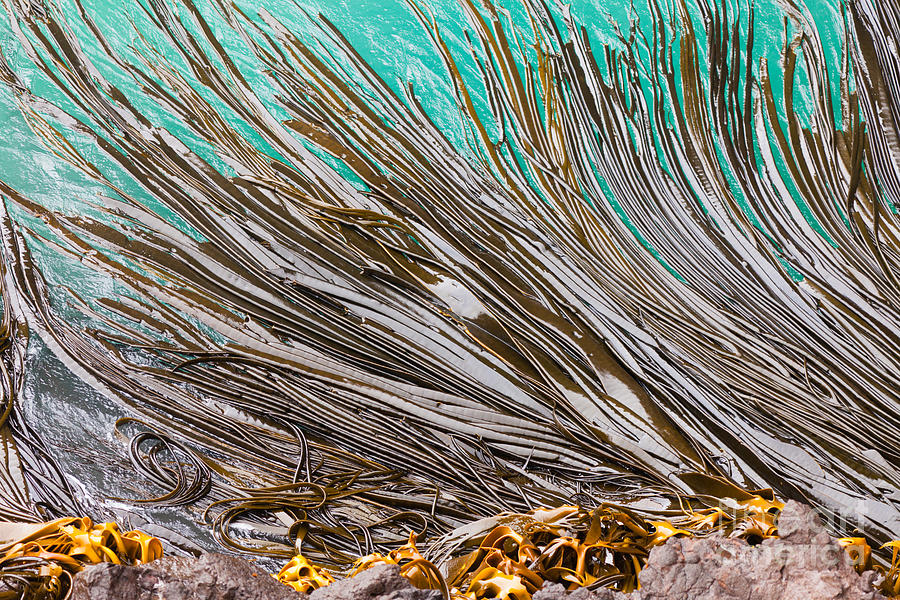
(189,479)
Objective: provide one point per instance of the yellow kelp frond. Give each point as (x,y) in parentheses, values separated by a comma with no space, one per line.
(407,552)
(74,542)
(42,557)
(859,550)
(491,583)
(663,530)
(605,546)
(420,572)
(753,519)
(573,547)
(303,576)
(861,554)
(891,585)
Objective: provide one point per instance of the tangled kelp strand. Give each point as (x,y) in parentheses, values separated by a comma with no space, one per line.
(515,554)
(610,297)
(189,478)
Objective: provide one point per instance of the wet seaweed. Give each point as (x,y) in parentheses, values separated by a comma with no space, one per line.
(463,333)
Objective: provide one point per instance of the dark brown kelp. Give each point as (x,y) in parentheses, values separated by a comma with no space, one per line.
(462,335)
(32,485)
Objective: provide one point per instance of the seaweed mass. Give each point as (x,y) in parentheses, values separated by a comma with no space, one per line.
(652,272)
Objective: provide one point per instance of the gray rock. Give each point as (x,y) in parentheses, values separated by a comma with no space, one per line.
(382,582)
(211,577)
(556,591)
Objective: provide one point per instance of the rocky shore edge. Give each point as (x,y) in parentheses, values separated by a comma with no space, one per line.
(803,563)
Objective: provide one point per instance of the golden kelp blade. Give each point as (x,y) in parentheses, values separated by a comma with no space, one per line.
(492,583)
(891,584)
(303,576)
(859,551)
(420,572)
(78,541)
(43,556)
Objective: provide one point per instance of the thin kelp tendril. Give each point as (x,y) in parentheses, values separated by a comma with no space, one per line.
(183,471)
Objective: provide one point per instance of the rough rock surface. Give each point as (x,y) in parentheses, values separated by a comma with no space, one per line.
(211,577)
(382,582)
(805,563)
(554,591)
(221,577)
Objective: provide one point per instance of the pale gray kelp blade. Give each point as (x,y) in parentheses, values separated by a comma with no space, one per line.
(466,336)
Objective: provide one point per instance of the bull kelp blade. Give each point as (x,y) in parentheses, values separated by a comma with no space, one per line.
(647,274)
(32,484)
(878,66)
(15,500)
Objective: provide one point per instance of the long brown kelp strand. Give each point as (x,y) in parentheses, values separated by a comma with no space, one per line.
(32,485)
(611,300)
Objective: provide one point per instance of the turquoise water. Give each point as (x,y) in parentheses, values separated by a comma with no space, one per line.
(390,38)
(387,35)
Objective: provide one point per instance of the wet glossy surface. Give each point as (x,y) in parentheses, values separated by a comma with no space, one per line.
(570,266)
